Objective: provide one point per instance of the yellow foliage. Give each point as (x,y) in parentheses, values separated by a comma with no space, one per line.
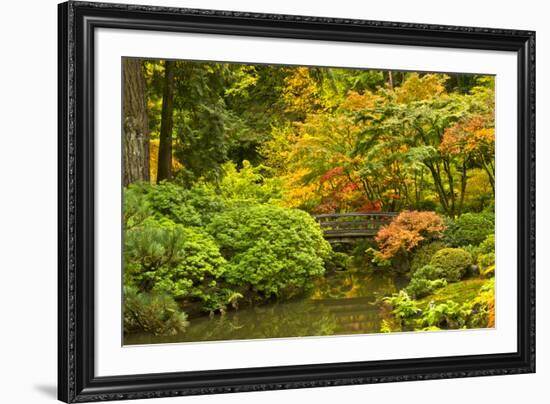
(486,299)
(300,92)
(359,102)
(153,160)
(417,88)
(277,150)
(489,272)
(297,194)
(478,183)
(478,189)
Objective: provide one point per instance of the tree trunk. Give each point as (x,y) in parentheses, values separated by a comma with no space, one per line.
(434,170)
(450,179)
(490,170)
(164,171)
(390,79)
(463,183)
(136,130)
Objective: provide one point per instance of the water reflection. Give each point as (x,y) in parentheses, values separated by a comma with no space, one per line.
(341,303)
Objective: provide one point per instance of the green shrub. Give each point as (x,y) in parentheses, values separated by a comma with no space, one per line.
(271,251)
(204,200)
(487,260)
(469,229)
(154,313)
(185,263)
(198,273)
(249,185)
(487,256)
(473,251)
(453,263)
(403,307)
(148,247)
(362,251)
(421,287)
(488,245)
(190,207)
(338,261)
(136,207)
(426,205)
(429,272)
(423,255)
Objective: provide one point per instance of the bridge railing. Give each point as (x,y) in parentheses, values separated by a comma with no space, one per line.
(340,227)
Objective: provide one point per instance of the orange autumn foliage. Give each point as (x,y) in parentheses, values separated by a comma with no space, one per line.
(334,172)
(406,231)
(340,192)
(359,102)
(491,315)
(468,136)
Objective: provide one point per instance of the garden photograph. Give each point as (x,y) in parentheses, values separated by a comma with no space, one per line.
(281,201)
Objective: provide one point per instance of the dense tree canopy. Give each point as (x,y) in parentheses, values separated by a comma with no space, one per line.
(338,139)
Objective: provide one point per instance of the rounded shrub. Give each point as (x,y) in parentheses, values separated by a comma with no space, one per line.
(198,271)
(406,232)
(469,229)
(423,255)
(190,207)
(429,272)
(270,250)
(452,262)
(184,263)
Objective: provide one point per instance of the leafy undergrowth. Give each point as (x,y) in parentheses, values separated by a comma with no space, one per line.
(461,292)
(466,304)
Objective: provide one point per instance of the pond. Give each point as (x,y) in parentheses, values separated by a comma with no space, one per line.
(341,303)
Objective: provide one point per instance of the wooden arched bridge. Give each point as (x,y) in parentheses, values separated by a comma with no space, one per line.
(350,227)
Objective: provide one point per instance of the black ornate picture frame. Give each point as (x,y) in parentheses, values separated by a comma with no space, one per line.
(78,21)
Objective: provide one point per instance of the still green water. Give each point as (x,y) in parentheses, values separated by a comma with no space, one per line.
(341,303)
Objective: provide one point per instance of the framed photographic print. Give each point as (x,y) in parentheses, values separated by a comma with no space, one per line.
(253,202)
